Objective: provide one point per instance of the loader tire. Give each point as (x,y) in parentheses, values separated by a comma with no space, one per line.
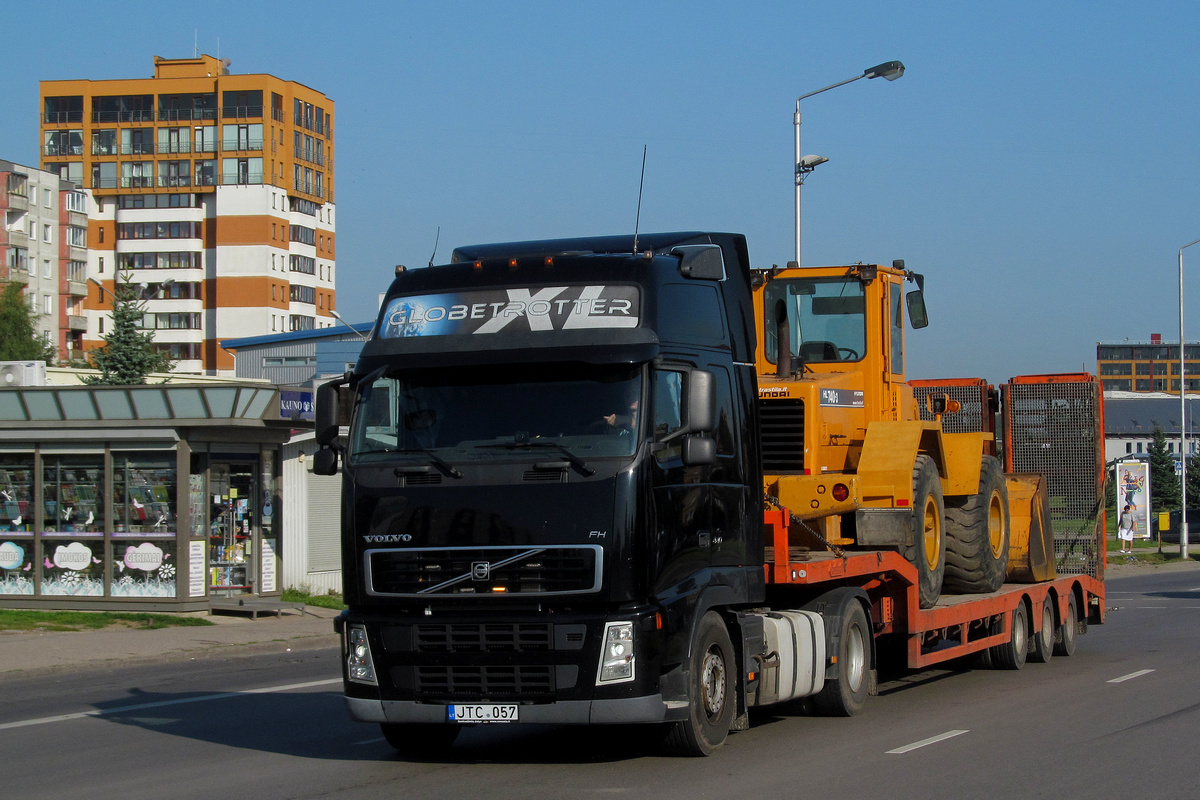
(928,551)
(977,535)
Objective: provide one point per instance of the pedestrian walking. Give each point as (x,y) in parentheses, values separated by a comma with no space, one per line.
(1125,529)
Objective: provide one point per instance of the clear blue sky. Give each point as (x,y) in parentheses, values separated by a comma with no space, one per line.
(1038,162)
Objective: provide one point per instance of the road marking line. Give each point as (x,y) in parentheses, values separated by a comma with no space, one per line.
(102,712)
(941,737)
(1131,676)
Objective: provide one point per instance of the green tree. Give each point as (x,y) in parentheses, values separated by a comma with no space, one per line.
(1164,482)
(1193,481)
(128,354)
(19,340)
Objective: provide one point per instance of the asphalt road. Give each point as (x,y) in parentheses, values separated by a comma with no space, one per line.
(1117,720)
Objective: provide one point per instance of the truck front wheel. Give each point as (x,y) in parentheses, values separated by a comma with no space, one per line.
(712,672)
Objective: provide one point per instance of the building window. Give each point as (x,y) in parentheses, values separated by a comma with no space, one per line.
(303,294)
(1129,447)
(46,269)
(47,304)
(47,235)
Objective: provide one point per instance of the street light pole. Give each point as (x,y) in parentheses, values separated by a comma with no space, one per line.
(1183,524)
(889,70)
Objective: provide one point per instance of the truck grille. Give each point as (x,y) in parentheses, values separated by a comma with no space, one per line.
(448,571)
(487,638)
(490,682)
(782,425)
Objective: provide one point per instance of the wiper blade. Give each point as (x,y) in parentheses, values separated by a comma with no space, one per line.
(576,462)
(434,459)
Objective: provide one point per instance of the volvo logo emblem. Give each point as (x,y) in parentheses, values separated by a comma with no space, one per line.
(481,570)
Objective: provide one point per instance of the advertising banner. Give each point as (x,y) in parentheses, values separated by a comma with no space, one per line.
(1133,490)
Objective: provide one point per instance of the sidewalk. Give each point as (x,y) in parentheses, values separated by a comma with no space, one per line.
(25,653)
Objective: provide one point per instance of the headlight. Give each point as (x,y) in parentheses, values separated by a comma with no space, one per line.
(616,657)
(359,665)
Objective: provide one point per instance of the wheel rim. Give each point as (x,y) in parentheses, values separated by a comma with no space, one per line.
(1048,624)
(1020,635)
(856,658)
(932,533)
(712,683)
(996,525)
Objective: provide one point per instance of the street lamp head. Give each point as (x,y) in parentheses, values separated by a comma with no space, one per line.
(890,70)
(809,163)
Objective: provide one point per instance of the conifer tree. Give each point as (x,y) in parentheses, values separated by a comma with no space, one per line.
(19,340)
(128,354)
(1164,482)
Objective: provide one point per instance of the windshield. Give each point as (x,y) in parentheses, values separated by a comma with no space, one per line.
(827,317)
(493,413)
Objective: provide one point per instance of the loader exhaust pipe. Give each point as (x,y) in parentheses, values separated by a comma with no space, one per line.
(783,338)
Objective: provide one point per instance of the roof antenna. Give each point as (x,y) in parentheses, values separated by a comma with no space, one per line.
(637,221)
(436,239)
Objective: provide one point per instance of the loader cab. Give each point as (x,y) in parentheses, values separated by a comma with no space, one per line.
(836,320)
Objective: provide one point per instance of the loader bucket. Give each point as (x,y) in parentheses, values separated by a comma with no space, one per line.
(1031,540)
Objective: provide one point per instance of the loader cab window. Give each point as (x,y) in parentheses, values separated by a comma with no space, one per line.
(826,316)
(897,328)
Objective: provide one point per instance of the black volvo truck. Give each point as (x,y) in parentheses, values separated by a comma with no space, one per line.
(552,491)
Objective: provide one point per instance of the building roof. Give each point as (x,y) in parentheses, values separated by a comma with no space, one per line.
(362,328)
(1136,416)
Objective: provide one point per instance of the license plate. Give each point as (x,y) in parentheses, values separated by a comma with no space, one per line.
(482,712)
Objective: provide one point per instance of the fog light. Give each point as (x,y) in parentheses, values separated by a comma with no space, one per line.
(616,657)
(359,666)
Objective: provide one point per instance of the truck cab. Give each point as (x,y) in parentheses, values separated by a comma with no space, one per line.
(551,476)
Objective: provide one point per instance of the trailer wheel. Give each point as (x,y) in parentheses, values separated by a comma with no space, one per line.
(418,738)
(711,676)
(845,695)
(928,551)
(977,534)
(1064,641)
(1011,654)
(1043,640)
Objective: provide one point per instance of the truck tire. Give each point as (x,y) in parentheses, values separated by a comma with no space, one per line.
(1043,640)
(845,695)
(712,673)
(977,534)
(928,551)
(419,739)
(1011,654)
(1064,641)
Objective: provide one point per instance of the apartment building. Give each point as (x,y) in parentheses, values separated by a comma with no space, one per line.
(1147,366)
(213,195)
(43,244)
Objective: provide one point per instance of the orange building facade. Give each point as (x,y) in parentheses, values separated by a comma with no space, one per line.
(212,192)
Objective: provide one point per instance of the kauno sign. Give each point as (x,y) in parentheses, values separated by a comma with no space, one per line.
(543,308)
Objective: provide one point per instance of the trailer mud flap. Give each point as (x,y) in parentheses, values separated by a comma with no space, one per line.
(884,527)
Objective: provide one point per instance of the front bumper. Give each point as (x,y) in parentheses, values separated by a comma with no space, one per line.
(618,711)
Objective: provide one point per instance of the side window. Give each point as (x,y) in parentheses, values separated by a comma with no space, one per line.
(668,403)
(897,328)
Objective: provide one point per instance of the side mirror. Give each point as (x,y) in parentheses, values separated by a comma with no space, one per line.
(701,402)
(700,261)
(698,451)
(328,413)
(325,462)
(916,309)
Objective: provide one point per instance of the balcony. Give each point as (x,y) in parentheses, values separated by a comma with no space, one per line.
(242,112)
(77,288)
(185,114)
(173,181)
(76,323)
(145,149)
(63,117)
(242,179)
(17,202)
(141,115)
